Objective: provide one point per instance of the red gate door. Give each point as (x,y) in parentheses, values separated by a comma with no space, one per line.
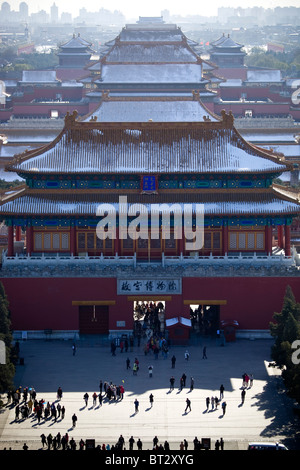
(94,319)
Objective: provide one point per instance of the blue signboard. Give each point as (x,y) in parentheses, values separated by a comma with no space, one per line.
(149,183)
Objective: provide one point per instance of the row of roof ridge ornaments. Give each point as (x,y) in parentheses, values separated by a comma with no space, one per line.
(71,119)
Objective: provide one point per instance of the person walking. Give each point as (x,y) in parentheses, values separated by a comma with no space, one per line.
(188,405)
(150,369)
(224,405)
(192,384)
(100,397)
(131,442)
(151,399)
(63,410)
(95,398)
(186,355)
(204,356)
(58,409)
(59,393)
(74,420)
(173,361)
(136,405)
(212,401)
(207,402)
(251,380)
(43,439)
(86,398)
(222,391)
(139,444)
(172,381)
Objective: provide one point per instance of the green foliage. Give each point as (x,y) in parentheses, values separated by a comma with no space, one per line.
(286,330)
(34,61)
(7,370)
(287,62)
(9,184)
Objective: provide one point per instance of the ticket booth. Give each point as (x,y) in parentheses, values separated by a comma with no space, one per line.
(178,329)
(229,328)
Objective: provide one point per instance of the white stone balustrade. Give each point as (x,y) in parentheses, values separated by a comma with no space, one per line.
(56,259)
(239,259)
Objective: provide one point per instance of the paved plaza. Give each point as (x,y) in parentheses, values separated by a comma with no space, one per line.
(266,414)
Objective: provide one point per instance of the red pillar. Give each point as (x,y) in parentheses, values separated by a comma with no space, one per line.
(18,234)
(268,237)
(118,242)
(10,240)
(287,230)
(181,243)
(280,236)
(73,250)
(225,239)
(29,240)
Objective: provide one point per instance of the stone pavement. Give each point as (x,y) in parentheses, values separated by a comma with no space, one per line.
(266,414)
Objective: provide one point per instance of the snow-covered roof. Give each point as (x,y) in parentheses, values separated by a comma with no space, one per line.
(151,33)
(261,76)
(152,147)
(157,52)
(229,204)
(39,76)
(143,109)
(151,73)
(226,42)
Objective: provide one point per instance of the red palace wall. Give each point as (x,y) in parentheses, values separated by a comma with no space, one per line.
(42,303)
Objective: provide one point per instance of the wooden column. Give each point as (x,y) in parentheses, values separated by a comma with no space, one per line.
(225,239)
(287,231)
(181,243)
(117,243)
(73,247)
(10,240)
(29,240)
(268,238)
(18,234)
(280,236)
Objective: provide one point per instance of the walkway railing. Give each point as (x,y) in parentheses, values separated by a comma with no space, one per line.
(238,259)
(58,259)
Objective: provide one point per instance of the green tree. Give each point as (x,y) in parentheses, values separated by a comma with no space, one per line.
(286,331)
(7,370)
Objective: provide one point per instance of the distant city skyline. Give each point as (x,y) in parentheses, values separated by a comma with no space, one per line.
(134,9)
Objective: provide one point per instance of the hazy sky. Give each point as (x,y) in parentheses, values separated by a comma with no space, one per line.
(134,8)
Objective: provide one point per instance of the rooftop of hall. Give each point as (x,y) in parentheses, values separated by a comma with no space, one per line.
(76,42)
(211,146)
(24,202)
(225,42)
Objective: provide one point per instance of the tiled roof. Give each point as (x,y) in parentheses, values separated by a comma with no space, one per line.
(142,109)
(152,147)
(151,53)
(85,204)
(180,73)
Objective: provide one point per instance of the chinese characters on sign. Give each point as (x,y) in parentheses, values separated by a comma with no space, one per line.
(148,183)
(149,286)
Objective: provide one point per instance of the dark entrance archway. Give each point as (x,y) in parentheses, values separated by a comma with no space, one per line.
(149,317)
(205,318)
